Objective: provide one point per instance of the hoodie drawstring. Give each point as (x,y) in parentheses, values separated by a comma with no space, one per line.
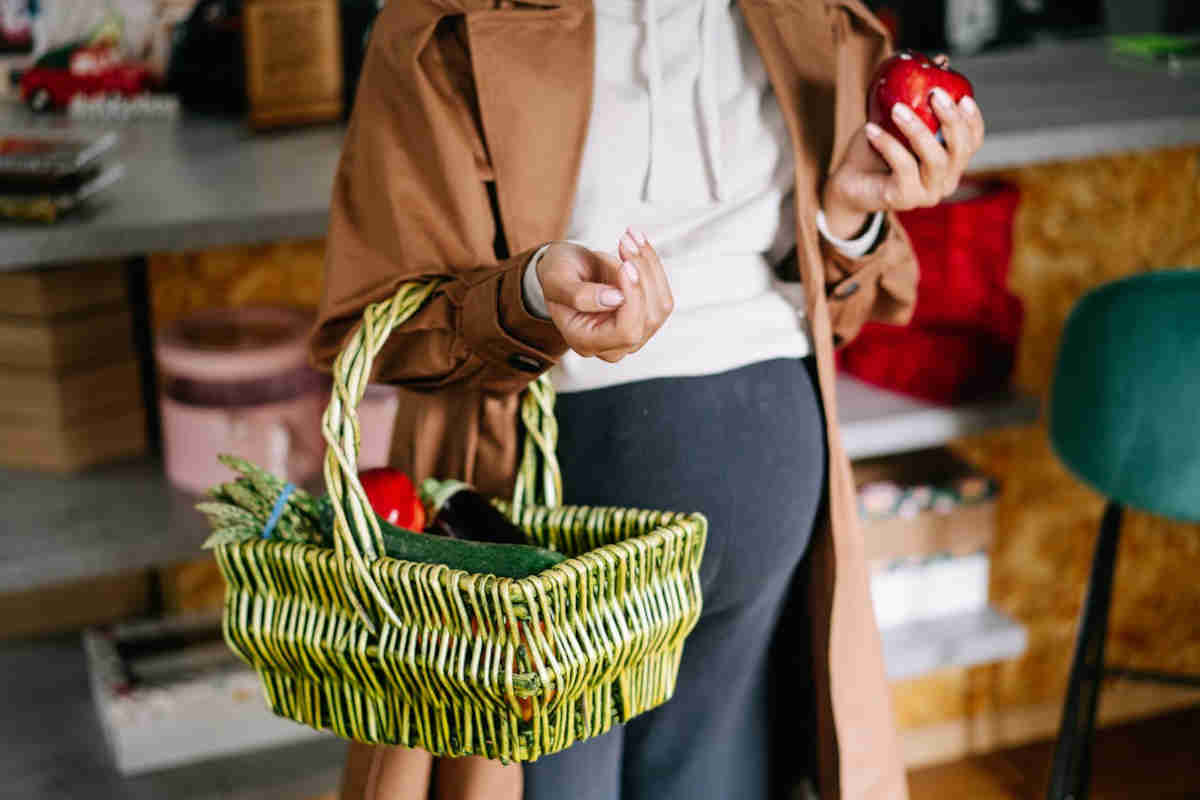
(654,81)
(710,105)
(710,110)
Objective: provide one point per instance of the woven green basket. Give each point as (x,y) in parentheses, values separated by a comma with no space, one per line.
(393,652)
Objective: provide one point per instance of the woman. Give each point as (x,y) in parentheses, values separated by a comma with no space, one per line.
(613,190)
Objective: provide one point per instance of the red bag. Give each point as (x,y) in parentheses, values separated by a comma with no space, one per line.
(944,367)
(962,340)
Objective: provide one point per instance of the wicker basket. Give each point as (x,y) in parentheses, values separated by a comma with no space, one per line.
(393,652)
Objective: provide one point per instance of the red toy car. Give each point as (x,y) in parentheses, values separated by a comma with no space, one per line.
(62,74)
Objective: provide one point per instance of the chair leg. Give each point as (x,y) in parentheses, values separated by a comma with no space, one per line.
(1071,770)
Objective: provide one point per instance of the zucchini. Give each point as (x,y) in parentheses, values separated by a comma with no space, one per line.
(503,560)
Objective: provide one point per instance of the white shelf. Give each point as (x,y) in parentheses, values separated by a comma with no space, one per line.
(126,516)
(960,640)
(876,422)
(112,519)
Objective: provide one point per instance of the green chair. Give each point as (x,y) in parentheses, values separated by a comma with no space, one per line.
(1125,418)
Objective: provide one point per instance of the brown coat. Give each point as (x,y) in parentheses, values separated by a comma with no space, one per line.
(464,148)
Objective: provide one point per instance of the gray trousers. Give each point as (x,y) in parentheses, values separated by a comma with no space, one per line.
(746,448)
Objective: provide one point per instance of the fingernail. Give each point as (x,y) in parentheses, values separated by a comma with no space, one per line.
(903,112)
(873,130)
(611,298)
(631,271)
(942,100)
(641,237)
(630,244)
(969,105)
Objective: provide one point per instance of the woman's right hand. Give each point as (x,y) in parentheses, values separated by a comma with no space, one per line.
(604,306)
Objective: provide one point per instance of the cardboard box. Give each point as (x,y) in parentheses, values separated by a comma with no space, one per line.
(74,446)
(966,530)
(73,388)
(908,592)
(39,397)
(75,605)
(63,343)
(959,528)
(169,692)
(52,292)
(928,520)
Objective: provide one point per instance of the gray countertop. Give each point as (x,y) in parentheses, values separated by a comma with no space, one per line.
(1071,100)
(197,183)
(191,184)
(107,520)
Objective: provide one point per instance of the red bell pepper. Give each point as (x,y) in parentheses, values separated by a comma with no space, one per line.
(393,497)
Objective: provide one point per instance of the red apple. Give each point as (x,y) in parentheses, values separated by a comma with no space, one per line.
(910,78)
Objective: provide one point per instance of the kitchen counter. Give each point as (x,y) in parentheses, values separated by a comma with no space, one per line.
(199,183)
(1073,100)
(190,184)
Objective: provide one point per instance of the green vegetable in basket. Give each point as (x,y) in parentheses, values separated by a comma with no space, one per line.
(241,510)
(504,560)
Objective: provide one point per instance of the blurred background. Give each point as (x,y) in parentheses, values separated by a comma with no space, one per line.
(165,170)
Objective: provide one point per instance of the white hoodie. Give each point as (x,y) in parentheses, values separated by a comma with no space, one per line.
(687,144)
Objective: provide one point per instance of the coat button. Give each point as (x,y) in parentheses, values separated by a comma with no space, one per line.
(845,290)
(524,363)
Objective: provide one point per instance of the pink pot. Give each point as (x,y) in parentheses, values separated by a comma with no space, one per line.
(237,381)
(376,420)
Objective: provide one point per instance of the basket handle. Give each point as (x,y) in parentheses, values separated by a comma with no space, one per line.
(538,476)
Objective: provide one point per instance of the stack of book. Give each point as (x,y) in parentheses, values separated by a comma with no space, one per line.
(72,385)
(45,176)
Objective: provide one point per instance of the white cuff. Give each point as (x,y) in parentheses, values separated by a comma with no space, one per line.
(531,287)
(857,247)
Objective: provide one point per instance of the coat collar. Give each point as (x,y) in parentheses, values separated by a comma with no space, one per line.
(533,69)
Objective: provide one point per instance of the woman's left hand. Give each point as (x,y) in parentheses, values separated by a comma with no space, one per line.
(879,173)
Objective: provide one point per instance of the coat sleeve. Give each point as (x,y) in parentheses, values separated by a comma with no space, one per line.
(411,201)
(881,286)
